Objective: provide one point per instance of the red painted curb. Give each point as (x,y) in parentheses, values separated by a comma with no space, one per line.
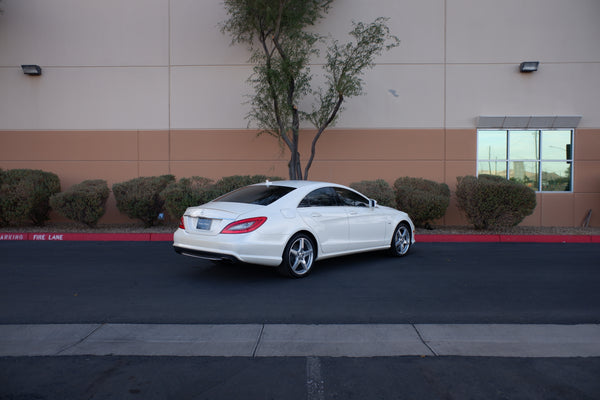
(168,237)
(78,237)
(161,237)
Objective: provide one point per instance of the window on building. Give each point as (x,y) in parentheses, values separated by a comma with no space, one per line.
(541,159)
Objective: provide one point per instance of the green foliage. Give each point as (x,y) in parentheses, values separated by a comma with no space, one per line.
(187,192)
(140,198)
(230,183)
(378,190)
(493,202)
(25,195)
(424,200)
(280,36)
(84,202)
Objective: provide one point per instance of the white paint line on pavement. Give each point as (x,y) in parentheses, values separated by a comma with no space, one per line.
(313,341)
(315,386)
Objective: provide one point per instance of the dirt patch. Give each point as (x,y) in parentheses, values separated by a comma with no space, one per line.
(515,230)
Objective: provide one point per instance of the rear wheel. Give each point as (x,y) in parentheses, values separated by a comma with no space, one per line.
(298,256)
(401,240)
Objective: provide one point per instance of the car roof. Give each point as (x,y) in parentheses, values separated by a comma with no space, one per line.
(299,184)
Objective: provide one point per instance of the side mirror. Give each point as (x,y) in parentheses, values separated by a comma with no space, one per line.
(372,203)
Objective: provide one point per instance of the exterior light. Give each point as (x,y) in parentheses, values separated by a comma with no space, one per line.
(34,70)
(529,66)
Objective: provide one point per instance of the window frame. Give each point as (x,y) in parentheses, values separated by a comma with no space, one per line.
(507,161)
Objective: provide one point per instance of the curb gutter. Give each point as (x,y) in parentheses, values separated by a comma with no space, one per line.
(168,237)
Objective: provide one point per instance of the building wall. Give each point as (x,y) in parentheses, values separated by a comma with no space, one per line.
(145,87)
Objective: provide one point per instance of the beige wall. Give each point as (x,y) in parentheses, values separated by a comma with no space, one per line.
(144,87)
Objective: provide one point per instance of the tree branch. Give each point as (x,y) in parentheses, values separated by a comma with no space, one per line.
(313,147)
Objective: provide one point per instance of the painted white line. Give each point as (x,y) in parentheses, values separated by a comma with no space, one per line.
(315,386)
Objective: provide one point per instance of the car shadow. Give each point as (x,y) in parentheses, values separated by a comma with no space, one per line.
(208,270)
(248,273)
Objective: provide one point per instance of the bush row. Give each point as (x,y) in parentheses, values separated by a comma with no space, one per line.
(423,200)
(487,201)
(25,196)
(493,202)
(28,195)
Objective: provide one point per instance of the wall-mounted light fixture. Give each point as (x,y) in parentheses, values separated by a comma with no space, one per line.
(30,69)
(529,66)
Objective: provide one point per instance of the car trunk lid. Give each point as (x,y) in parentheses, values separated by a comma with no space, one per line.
(211,218)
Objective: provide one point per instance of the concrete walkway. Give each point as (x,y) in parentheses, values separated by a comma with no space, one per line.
(257,340)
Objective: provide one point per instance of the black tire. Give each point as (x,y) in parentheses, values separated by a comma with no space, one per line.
(401,240)
(298,256)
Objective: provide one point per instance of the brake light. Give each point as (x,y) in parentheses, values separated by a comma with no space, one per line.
(181,223)
(244,225)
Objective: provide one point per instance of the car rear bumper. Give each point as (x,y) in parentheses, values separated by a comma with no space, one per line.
(206,255)
(254,249)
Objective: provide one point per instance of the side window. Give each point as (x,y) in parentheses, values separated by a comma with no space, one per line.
(352,199)
(324,197)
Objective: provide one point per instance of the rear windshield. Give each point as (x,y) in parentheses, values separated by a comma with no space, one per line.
(260,195)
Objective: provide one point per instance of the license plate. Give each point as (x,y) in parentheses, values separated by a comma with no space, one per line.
(204,224)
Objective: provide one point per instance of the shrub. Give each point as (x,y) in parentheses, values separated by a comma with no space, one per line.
(139,198)
(25,195)
(188,192)
(84,202)
(494,202)
(378,190)
(422,199)
(230,183)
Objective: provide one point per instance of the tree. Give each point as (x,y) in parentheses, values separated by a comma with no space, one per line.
(281,50)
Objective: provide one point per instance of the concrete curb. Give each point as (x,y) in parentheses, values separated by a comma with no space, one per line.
(275,340)
(167,237)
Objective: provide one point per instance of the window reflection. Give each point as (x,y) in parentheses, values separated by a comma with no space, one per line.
(540,159)
(492,145)
(524,172)
(524,145)
(556,176)
(492,167)
(556,145)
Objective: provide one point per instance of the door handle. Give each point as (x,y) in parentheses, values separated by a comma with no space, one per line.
(315,215)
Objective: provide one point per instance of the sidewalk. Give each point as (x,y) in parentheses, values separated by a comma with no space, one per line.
(274,340)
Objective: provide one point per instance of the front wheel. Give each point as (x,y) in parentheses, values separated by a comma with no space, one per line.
(298,256)
(401,240)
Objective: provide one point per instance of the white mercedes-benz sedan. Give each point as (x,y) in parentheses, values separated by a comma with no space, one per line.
(290,225)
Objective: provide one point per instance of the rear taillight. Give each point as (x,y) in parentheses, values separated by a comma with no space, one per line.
(181,224)
(244,225)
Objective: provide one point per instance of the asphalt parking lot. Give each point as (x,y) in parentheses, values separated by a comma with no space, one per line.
(368,308)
